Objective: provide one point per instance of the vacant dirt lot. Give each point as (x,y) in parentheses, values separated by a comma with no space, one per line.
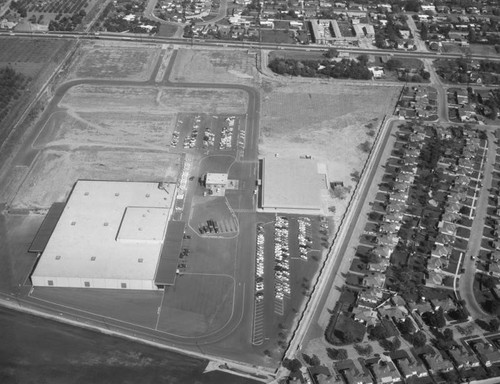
(325,121)
(132,129)
(55,172)
(214,66)
(114,62)
(91,98)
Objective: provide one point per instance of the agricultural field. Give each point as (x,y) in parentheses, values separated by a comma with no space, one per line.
(32,57)
(36,60)
(326,121)
(59,15)
(210,66)
(114,62)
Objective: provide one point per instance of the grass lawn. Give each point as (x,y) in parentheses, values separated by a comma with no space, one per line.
(167,30)
(345,326)
(275,36)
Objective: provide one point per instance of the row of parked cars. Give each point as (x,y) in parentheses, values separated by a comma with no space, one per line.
(190,141)
(227,133)
(259,265)
(208,138)
(281,257)
(305,236)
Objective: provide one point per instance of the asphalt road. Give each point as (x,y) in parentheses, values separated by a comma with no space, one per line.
(467,279)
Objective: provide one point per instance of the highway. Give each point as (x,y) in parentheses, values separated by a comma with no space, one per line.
(242,44)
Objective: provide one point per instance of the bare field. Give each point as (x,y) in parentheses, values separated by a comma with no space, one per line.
(325,121)
(114,62)
(214,66)
(155,100)
(109,128)
(54,172)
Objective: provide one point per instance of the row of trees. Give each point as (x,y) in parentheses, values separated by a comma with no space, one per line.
(343,69)
(12,84)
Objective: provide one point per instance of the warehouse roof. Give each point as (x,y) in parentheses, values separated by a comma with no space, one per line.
(109,230)
(292,184)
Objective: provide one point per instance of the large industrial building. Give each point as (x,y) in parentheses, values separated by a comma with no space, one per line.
(110,235)
(293,185)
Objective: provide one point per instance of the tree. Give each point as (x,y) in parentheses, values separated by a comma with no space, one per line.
(331,53)
(363,350)
(292,365)
(419,339)
(365,146)
(424,31)
(448,334)
(393,64)
(494,324)
(355,176)
(336,354)
(363,58)
(378,332)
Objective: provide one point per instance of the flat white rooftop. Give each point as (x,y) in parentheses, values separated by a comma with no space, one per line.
(292,184)
(108,230)
(216,178)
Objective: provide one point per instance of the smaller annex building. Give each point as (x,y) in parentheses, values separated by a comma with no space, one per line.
(292,185)
(111,235)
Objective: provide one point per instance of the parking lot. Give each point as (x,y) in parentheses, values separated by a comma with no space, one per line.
(288,251)
(208,132)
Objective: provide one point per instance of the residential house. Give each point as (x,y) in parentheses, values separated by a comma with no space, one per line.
(450,217)
(494,269)
(400,186)
(391,227)
(462,96)
(421,307)
(487,353)
(354,377)
(463,359)
(443,239)
(410,368)
(445,304)
(365,316)
(483,95)
(385,372)
(394,217)
(437,363)
(382,251)
(398,196)
(441,251)
(410,170)
(435,278)
(379,267)
(398,313)
(395,206)
(371,295)
(436,264)
(389,239)
(375,279)
(447,228)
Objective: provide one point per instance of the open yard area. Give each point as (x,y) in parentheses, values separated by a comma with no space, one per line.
(98,61)
(54,172)
(326,121)
(210,66)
